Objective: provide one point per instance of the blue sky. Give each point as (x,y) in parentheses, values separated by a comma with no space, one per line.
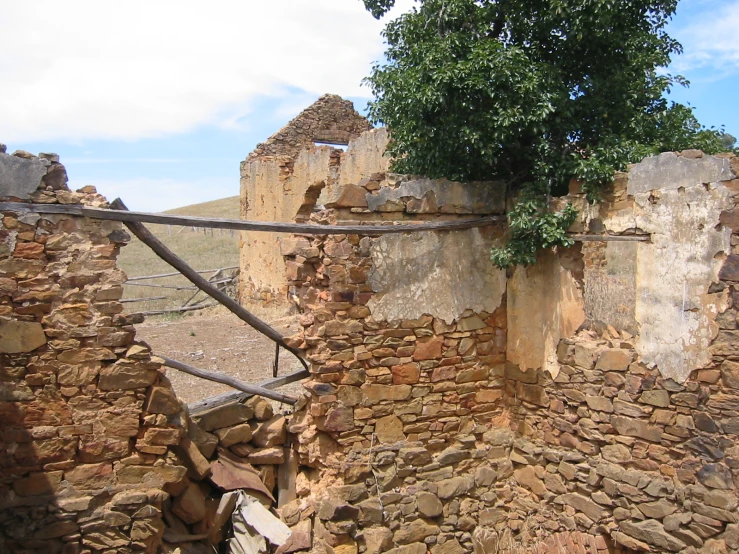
(158,102)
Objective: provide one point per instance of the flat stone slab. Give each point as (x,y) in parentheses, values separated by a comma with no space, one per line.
(20,177)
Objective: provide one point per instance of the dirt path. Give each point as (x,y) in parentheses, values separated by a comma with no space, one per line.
(217,341)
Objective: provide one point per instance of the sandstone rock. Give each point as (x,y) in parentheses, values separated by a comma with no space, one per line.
(651,532)
(614,359)
(449,488)
(91,476)
(226,415)
(730,374)
(584,505)
(197,465)
(415,531)
(451,456)
(659,398)
(229,436)
(599,403)
(300,539)
(190,505)
(376,393)
(429,505)
(36,484)
(449,547)
(261,408)
(123,376)
(378,540)
(428,348)
(526,477)
(152,476)
(370,512)
(389,429)
(415,456)
(162,400)
(338,419)
(406,374)
(56,529)
(630,542)
(616,453)
(716,476)
(415,548)
(206,442)
(272,432)
(533,394)
(20,336)
(274,455)
(658,509)
(334,509)
(636,428)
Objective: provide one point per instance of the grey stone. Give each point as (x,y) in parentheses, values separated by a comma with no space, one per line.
(668,171)
(20,177)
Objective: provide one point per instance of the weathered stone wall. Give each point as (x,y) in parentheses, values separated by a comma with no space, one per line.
(96,452)
(330,119)
(545,423)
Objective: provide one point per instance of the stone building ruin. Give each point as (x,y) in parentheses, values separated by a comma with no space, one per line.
(586,404)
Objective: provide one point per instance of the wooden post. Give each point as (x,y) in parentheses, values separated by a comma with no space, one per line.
(143,234)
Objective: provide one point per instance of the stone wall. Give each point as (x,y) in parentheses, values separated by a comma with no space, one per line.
(586,404)
(96,452)
(330,119)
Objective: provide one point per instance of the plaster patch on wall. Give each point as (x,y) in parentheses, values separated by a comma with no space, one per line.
(471,198)
(545,305)
(436,273)
(674,309)
(668,171)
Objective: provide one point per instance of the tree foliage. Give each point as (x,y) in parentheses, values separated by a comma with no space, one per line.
(535,92)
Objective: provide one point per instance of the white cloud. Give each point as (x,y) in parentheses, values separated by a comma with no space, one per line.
(710,40)
(86,69)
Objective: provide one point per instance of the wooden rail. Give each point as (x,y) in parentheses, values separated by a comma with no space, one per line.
(230,397)
(242,225)
(145,236)
(276,227)
(228,380)
(173,274)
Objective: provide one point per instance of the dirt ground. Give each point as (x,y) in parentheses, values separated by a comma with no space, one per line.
(217,340)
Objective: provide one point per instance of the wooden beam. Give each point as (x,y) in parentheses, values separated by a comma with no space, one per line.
(142,277)
(145,236)
(609,238)
(229,397)
(179,310)
(243,225)
(126,300)
(224,379)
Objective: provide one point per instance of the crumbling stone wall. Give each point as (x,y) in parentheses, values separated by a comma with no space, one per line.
(96,452)
(548,425)
(330,119)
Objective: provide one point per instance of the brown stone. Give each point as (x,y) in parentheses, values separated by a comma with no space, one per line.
(659,398)
(269,433)
(415,531)
(389,429)
(190,505)
(615,359)
(449,547)
(429,505)
(226,415)
(300,538)
(56,529)
(119,376)
(428,348)
(197,465)
(37,484)
(91,476)
(338,419)
(636,428)
(20,336)
(150,475)
(352,196)
(584,505)
(377,393)
(378,539)
(533,394)
(406,374)
(651,532)
(262,408)
(233,435)
(526,477)
(162,400)
(274,455)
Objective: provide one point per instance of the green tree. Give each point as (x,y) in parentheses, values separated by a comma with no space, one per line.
(532,91)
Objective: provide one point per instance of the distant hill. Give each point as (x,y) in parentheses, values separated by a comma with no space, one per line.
(209,249)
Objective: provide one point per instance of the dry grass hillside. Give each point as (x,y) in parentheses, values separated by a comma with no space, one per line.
(202,249)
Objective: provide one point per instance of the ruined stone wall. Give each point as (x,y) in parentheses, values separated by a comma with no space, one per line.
(590,408)
(96,452)
(330,119)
